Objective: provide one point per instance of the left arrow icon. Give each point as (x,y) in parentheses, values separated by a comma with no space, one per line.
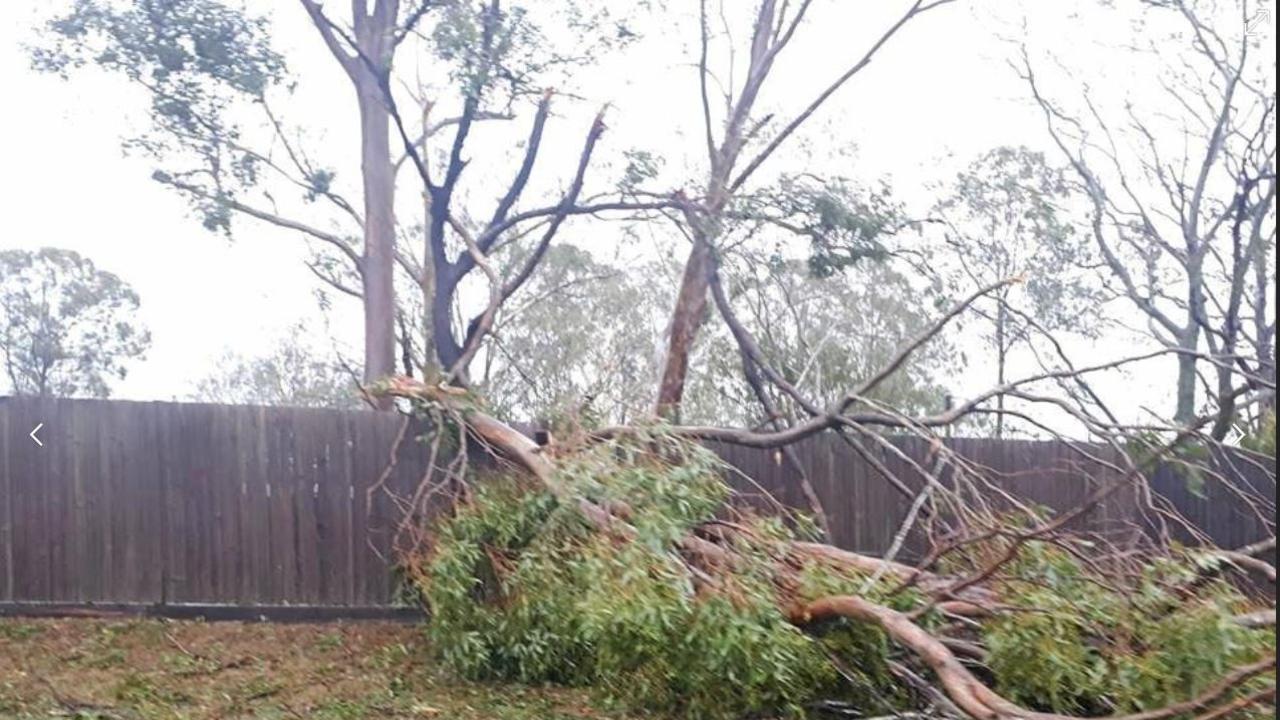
(33,434)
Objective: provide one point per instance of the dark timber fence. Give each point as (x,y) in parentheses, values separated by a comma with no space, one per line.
(170,504)
(866,511)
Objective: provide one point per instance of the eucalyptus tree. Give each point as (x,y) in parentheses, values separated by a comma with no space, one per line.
(741,133)
(294,372)
(1181,181)
(214,81)
(1008,214)
(498,57)
(822,334)
(221,135)
(578,345)
(66,327)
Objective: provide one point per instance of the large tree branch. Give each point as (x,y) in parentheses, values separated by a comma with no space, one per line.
(834,418)
(974,697)
(960,685)
(341,244)
(325,27)
(480,325)
(532,146)
(917,8)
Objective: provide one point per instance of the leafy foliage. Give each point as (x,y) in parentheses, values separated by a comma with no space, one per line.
(197,59)
(529,46)
(521,587)
(576,344)
(292,374)
(807,333)
(1091,649)
(1008,215)
(66,327)
(843,222)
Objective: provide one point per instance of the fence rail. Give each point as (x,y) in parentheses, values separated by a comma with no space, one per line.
(171,503)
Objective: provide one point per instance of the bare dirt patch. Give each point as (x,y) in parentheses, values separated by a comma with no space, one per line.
(153,669)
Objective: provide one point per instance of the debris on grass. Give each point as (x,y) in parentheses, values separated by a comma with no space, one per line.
(160,669)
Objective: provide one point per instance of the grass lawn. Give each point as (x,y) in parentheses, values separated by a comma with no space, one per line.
(152,669)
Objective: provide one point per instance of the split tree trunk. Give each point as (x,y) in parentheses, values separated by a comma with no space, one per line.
(686,321)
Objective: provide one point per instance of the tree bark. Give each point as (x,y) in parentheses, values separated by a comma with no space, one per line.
(378,176)
(686,321)
(373,45)
(1186,407)
(979,701)
(1002,352)
(961,597)
(705,225)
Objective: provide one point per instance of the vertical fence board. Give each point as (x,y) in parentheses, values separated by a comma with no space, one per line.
(258,516)
(224,485)
(309,444)
(172,477)
(364,472)
(334,518)
(378,530)
(41,502)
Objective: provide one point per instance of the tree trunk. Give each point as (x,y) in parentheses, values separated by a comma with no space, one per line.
(1186,409)
(378,176)
(1225,369)
(374,40)
(686,321)
(1002,352)
(1267,369)
(447,349)
(1189,340)
(1264,333)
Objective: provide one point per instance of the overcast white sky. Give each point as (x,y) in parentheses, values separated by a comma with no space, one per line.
(941,93)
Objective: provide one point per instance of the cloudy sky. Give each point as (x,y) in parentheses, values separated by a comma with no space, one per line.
(941,93)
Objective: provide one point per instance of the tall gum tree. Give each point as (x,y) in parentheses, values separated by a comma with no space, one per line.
(376,33)
(1008,214)
(743,129)
(215,84)
(1185,229)
(213,79)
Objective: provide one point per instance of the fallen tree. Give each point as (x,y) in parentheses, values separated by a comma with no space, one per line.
(620,558)
(627,563)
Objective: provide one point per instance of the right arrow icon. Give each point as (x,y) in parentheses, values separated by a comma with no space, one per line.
(33,434)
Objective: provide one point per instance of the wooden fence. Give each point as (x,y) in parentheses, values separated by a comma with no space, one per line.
(169,503)
(166,504)
(866,511)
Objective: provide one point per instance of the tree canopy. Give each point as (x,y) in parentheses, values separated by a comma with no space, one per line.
(66,327)
(292,374)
